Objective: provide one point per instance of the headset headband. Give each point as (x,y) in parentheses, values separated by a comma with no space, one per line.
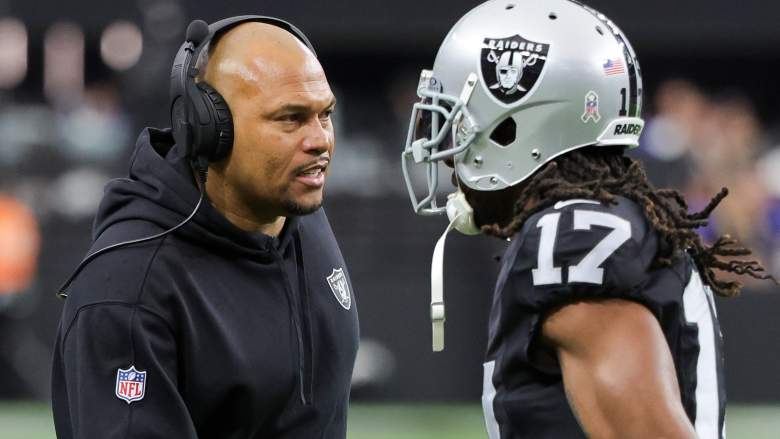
(227,23)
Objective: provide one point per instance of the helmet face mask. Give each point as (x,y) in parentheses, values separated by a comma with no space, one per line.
(511,89)
(440,128)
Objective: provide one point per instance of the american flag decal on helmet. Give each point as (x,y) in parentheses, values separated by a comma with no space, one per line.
(614,67)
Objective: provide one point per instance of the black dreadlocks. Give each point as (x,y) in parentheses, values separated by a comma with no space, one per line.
(603,174)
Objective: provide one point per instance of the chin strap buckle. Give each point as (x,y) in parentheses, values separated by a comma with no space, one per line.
(460,212)
(437,291)
(437,322)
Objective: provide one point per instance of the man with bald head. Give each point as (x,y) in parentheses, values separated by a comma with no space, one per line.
(240,322)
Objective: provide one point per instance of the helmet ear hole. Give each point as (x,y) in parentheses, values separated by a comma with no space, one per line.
(505,132)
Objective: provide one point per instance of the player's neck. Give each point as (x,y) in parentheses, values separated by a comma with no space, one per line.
(494,207)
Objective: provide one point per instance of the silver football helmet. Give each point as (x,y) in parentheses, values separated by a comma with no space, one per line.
(516,84)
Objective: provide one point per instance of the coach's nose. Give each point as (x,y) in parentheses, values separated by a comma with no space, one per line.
(318,139)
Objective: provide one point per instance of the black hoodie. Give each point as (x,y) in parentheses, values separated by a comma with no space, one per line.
(209,332)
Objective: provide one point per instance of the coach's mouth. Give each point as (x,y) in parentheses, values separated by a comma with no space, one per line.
(313,175)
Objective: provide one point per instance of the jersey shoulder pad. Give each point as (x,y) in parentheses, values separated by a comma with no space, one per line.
(586,248)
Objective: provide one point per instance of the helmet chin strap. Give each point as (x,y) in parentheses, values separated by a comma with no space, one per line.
(461,214)
(461,219)
(437,289)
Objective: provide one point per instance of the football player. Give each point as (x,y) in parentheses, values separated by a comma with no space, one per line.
(603,323)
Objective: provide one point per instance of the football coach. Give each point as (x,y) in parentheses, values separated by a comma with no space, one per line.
(215,302)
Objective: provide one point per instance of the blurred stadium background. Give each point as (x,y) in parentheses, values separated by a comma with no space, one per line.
(78,80)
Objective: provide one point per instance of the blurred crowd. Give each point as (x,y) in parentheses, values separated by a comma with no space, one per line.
(55,158)
(699,143)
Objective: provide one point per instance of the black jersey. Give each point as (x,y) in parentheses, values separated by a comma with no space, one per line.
(580,249)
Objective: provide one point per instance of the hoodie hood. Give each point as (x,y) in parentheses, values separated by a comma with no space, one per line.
(161,189)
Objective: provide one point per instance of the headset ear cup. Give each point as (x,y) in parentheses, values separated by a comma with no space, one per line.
(222,136)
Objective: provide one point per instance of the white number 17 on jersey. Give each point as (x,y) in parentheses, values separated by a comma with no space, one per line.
(588,270)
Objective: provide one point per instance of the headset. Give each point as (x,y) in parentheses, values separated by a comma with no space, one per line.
(200,117)
(201,121)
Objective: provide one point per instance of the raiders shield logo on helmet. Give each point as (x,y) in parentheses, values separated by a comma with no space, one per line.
(511,66)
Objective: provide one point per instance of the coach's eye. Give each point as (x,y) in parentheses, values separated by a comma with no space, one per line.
(290,117)
(293,119)
(327,113)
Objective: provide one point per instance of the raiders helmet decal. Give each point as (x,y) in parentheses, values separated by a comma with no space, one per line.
(511,66)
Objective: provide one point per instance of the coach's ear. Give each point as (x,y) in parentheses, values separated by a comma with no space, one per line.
(617,370)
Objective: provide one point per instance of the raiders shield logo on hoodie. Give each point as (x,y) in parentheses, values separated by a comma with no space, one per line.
(340,287)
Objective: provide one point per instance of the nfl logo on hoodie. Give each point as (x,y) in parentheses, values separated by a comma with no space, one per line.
(130,384)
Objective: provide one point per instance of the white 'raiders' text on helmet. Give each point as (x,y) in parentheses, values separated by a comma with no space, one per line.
(517,83)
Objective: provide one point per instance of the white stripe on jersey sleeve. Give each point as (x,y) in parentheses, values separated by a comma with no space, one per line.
(561,204)
(488,395)
(698,310)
